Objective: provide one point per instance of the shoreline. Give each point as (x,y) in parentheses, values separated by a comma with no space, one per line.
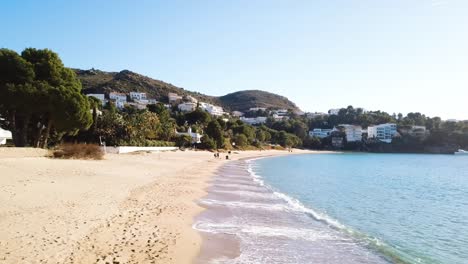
(127,208)
(215,246)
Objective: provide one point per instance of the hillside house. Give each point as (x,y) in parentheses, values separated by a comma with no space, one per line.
(237,113)
(353,132)
(196,137)
(382,132)
(138,96)
(254,120)
(187,107)
(320,132)
(173,97)
(101,97)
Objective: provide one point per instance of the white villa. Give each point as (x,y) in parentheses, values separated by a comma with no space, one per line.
(192,99)
(257,109)
(281,112)
(320,132)
(187,107)
(254,120)
(101,97)
(353,132)
(237,113)
(212,109)
(138,96)
(4,135)
(196,137)
(382,132)
(118,96)
(173,97)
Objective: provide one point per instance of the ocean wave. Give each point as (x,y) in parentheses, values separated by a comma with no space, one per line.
(264,206)
(265,231)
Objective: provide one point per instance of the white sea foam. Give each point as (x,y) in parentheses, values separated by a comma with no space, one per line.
(243,230)
(263,206)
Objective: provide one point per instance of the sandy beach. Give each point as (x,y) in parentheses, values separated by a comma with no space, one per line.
(131,208)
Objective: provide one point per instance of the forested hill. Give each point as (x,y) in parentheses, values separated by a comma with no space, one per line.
(243,100)
(96,81)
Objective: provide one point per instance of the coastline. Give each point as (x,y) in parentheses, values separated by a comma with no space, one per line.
(223,246)
(127,208)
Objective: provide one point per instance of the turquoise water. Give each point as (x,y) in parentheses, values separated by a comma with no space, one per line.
(409,208)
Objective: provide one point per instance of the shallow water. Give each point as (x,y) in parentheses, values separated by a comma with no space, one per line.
(262,225)
(409,208)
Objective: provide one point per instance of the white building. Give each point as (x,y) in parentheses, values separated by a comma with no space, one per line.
(120,104)
(173,97)
(419,131)
(334,111)
(196,137)
(254,120)
(382,132)
(255,109)
(4,135)
(212,109)
(280,117)
(353,133)
(101,97)
(118,96)
(187,107)
(192,99)
(237,113)
(138,96)
(320,132)
(280,112)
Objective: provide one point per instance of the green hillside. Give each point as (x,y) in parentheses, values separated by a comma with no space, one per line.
(96,81)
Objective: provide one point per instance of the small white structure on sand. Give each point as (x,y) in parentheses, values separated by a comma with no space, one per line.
(4,135)
(196,137)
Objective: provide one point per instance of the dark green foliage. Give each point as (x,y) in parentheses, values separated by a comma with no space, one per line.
(214,131)
(244,100)
(207,142)
(241,140)
(183,141)
(198,116)
(40,97)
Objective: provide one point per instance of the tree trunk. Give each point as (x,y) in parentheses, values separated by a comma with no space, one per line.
(37,140)
(14,132)
(21,130)
(46,134)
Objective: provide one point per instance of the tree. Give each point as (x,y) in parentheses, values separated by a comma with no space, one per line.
(207,142)
(241,140)
(167,130)
(214,131)
(39,95)
(183,141)
(199,116)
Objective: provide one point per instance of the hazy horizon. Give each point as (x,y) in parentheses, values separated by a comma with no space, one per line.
(395,57)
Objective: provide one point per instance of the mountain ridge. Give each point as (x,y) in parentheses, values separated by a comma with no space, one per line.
(97,81)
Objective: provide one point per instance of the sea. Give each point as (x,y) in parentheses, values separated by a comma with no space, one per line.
(337,208)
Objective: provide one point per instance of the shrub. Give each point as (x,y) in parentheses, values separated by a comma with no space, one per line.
(79,151)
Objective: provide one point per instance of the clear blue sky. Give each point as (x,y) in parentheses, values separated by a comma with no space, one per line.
(396,56)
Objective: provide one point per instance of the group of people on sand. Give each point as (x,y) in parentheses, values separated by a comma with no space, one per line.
(217,156)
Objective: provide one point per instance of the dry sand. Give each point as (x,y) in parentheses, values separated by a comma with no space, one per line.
(131,208)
